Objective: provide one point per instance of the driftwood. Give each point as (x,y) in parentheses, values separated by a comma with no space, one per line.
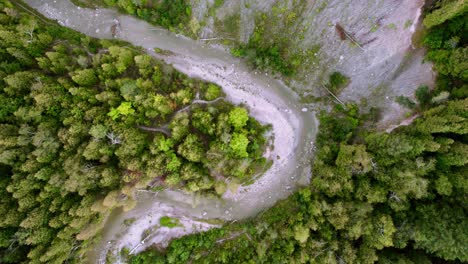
(334,96)
(198,101)
(154,129)
(166,131)
(147,191)
(345,35)
(369,41)
(233,236)
(139,244)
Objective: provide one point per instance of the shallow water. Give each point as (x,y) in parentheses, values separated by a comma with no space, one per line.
(268,100)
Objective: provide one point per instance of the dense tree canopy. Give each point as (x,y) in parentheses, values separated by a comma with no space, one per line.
(396,197)
(374,197)
(447,47)
(269,47)
(171,14)
(83,123)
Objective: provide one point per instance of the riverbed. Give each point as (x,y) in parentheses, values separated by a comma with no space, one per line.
(268,100)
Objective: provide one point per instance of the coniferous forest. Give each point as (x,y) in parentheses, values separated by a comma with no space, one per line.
(86,122)
(396,197)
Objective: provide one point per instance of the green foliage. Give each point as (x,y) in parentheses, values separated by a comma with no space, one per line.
(441,229)
(343,128)
(83,123)
(397,197)
(204,122)
(98,131)
(238,144)
(218,3)
(374,197)
(238,117)
(446,42)
(149,257)
(265,58)
(125,108)
(457,66)
(405,102)
(229,25)
(270,47)
(129,221)
(170,14)
(85,77)
(191,148)
(167,221)
(212,92)
(447,12)
(337,82)
(423,95)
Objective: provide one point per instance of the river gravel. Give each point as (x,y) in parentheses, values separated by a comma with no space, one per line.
(389,62)
(268,100)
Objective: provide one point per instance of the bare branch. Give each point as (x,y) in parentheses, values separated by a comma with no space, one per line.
(156,129)
(334,96)
(115,139)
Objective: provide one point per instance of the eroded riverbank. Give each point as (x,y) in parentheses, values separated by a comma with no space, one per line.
(268,100)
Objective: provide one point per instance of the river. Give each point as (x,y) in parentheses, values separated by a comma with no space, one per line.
(269,101)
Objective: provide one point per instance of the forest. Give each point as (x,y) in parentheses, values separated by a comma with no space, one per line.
(170,14)
(396,197)
(86,122)
(268,49)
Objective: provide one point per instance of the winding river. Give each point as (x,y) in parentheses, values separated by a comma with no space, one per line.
(268,100)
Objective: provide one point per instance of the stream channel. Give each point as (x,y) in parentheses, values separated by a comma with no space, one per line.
(269,101)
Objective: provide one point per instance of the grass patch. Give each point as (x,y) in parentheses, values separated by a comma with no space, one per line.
(129,221)
(392,26)
(408,23)
(88,3)
(170,222)
(229,27)
(158,188)
(273,46)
